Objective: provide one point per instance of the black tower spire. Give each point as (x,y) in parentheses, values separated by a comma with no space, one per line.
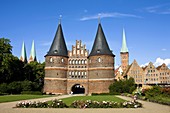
(100,46)
(58,47)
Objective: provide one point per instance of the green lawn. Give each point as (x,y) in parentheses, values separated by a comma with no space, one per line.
(10,98)
(69,100)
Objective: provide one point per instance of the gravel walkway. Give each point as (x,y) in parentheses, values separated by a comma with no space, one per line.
(148,107)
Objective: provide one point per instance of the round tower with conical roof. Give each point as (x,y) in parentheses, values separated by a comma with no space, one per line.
(56,61)
(101,64)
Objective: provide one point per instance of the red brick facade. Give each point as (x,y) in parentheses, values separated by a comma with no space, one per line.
(94,74)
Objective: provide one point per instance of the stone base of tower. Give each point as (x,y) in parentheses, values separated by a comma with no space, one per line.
(55,86)
(99,85)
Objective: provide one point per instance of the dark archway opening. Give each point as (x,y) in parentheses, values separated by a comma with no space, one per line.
(78,89)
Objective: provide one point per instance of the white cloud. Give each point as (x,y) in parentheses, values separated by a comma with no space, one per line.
(108,15)
(164,49)
(143,65)
(158,9)
(160,61)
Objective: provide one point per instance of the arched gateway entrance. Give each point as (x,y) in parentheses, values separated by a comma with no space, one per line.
(78,89)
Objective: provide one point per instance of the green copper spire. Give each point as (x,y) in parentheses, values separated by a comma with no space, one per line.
(33,53)
(23,53)
(124,48)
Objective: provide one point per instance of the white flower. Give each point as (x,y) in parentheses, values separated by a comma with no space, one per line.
(135,106)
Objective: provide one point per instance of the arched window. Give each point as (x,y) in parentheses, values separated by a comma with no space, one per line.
(62,60)
(99,59)
(81,51)
(85,73)
(72,72)
(79,73)
(78,51)
(76,73)
(82,73)
(79,61)
(51,59)
(82,61)
(76,62)
(86,61)
(72,61)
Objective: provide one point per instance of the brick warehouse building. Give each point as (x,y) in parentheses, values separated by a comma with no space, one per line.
(77,71)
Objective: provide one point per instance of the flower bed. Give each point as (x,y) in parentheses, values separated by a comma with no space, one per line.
(79,104)
(105,104)
(44,104)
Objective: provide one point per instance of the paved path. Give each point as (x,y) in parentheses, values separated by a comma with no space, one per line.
(148,107)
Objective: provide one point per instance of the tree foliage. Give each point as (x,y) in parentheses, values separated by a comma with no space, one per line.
(12,69)
(122,86)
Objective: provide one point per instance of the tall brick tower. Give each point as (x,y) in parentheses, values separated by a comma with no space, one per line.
(124,54)
(101,64)
(56,61)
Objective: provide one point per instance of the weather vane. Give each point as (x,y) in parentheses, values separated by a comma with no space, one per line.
(99,15)
(60,19)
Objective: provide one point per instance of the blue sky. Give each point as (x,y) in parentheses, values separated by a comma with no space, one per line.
(146,23)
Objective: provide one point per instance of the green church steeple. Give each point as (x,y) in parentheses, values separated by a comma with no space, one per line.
(124,48)
(33,53)
(23,53)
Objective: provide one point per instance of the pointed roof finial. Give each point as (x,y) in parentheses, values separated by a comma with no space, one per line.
(99,15)
(124,46)
(60,19)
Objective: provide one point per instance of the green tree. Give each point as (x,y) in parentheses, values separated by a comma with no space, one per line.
(122,86)
(34,72)
(11,68)
(5,47)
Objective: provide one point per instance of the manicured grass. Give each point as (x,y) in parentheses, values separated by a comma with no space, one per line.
(69,100)
(10,98)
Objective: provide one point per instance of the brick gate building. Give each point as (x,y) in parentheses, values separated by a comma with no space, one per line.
(77,71)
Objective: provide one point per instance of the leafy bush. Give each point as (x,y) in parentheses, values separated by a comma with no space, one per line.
(3,88)
(122,86)
(158,95)
(15,87)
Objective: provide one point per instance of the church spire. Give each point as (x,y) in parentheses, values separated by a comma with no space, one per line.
(100,46)
(33,53)
(23,53)
(58,47)
(124,48)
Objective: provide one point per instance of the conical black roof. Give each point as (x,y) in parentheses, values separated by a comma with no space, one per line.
(100,46)
(58,47)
